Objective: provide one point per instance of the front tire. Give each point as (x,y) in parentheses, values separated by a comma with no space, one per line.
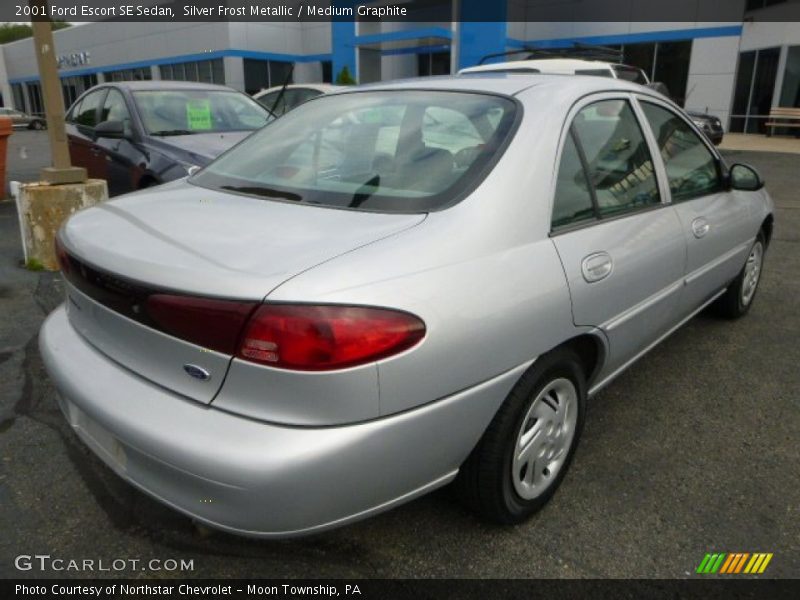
(526,450)
(37,125)
(738,298)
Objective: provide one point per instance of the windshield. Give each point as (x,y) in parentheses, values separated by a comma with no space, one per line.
(397,151)
(184,112)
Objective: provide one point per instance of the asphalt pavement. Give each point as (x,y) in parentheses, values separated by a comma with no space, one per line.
(693,450)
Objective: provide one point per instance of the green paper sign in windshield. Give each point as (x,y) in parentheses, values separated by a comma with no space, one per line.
(198,114)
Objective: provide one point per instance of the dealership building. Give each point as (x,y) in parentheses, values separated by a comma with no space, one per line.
(736,60)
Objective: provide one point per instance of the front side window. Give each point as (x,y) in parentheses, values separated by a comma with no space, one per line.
(86,113)
(396,151)
(185,112)
(617,158)
(691,166)
(115,109)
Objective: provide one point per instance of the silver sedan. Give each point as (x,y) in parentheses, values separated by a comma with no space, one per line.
(393,288)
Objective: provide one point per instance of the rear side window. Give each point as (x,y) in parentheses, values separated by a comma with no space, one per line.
(387,151)
(616,156)
(691,166)
(573,199)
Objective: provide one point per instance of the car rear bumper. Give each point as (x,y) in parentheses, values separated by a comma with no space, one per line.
(251,477)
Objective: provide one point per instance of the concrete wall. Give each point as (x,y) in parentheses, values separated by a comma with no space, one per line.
(712,66)
(768,35)
(712,74)
(5,88)
(399,66)
(115,45)
(111,44)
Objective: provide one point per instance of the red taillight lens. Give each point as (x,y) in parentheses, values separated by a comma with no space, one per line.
(213,324)
(322,338)
(61,256)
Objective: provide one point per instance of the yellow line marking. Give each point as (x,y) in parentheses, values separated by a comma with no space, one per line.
(765,563)
(752,562)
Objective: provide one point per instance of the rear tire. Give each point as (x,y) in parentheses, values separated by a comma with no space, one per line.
(525,452)
(37,125)
(738,298)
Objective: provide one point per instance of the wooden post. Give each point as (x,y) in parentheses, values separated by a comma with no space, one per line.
(62,171)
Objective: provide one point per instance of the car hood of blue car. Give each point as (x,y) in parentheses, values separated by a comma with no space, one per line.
(197,148)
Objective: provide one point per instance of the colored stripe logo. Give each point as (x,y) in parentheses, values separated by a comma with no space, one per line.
(734,563)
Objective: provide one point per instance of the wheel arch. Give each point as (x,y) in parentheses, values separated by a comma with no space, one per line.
(766,228)
(592,351)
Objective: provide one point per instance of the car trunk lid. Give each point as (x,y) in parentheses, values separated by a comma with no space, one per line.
(184,241)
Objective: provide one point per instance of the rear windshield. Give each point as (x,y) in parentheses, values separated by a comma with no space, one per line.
(395,151)
(630,74)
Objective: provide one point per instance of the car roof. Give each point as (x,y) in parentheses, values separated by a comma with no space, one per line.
(504,83)
(544,65)
(322,87)
(163,84)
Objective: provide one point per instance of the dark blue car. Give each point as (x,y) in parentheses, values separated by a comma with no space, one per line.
(141,133)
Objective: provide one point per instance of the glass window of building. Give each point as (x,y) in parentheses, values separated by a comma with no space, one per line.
(759,4)
(327,71)
(753,91)
(72,87)
(203,71)
(790,92)
(35,98)
(667,62)
(262,74)
(433,63)
(19,97)
(139,74)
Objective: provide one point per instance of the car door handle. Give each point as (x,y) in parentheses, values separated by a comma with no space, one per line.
(700,227)
(597,266)
(96,151)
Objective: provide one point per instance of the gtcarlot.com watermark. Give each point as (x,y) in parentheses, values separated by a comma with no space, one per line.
(46,562)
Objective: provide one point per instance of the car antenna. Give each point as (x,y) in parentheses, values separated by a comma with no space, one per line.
(286,81)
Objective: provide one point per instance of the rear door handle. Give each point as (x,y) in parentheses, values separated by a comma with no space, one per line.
(597,266)
(700,227)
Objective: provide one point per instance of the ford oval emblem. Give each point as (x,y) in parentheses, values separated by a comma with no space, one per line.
(197,372)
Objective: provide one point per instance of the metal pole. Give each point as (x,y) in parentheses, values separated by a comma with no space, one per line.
(62,171)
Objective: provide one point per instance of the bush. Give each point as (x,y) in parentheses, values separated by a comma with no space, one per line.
(344,77)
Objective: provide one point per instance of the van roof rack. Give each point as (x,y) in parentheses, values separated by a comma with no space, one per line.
(577,50)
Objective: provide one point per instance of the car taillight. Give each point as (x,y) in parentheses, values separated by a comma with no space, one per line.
(213,324)
(326,337)
(61,256)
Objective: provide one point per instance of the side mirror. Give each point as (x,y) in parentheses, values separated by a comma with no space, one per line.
(110,129)
(745,178)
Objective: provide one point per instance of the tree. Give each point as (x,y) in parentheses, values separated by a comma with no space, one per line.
(344,77)
(11,32)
